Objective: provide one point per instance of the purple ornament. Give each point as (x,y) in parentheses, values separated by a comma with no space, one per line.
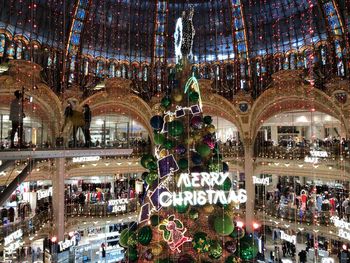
(197,169)
(148,255)
(210,142)
(180,149)
(231,246)
(197,122)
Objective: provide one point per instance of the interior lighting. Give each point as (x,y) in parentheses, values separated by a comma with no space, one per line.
(239,224)
(54,239)
(255,225)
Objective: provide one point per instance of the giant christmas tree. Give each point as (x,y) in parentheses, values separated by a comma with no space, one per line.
(189,213)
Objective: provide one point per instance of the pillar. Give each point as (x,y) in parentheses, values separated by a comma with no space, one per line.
(249,186)
(58,199)
(274,134)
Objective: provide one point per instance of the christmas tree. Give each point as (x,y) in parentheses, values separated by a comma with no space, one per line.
(190,209)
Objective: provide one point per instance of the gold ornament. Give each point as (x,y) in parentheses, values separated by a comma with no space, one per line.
(208,209)
(156,249)
(163,153)
(211,128)
(177,97)
(197,137)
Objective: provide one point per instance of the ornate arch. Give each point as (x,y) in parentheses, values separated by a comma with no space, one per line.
(118,99)
(217,105)
(289,92)
(27,74)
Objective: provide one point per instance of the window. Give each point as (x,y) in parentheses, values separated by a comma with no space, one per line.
(2,44)
(19,50)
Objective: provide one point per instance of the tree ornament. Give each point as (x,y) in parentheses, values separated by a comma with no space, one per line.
(183,163)
(175,128)
(168,144)
(215,250)
(196,122)
(177,96)
(180,149)
(131,254)
(157,249)
(152,165)
(200,242)
(231,246)
(208,120)
(203,150)
(223,225)
(210,128)
(196,158)
(237,233)
(194,214)
(163,153)
(194,96)
(166,102)
(182,208)
(159,138)
(248,248)
(145,159)
(157,122)
(151,177)
(145,235)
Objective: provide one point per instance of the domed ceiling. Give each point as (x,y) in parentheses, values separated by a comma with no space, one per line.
(134,29)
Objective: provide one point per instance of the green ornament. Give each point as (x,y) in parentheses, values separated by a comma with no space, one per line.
(223,225)
(215,250)
(194,96)
(168,144)
(145,159)
(151,177)
(215,167)
(248,248)
(237,233)
(181,208)
(131,254)
(175,128)
(124,237)
(145,235)
(208,120)
(155,220)
(203,150)
(152,165)
(166,102)
(194,214)
(200,242)
(159,138)
(183,163)
(226,186)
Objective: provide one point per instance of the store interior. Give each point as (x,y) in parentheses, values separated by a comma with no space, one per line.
(175,131)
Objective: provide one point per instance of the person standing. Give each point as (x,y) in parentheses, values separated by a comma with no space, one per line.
(302,256)
(347,212)
(87,119)
(16,117)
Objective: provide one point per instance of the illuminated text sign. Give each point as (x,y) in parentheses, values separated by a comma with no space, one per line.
(203,196)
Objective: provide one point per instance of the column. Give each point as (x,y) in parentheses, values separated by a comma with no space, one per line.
(274,135)
(58,199)
(249,187)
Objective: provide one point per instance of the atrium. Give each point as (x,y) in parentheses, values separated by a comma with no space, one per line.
(175,131)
